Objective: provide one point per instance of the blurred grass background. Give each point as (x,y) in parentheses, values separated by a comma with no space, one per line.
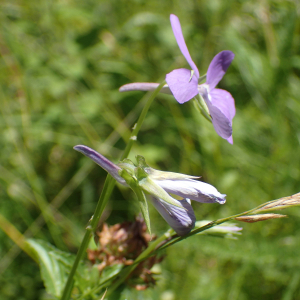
(61,64)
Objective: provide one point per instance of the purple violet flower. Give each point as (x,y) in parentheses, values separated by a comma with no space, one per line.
(180,216)
(184,85)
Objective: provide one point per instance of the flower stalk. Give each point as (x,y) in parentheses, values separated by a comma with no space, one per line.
(105,194)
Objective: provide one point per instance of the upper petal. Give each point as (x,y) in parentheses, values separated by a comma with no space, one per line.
(182,86)
(182,220)
(218,67)
(144,86)
(192,189)
(181,43)
(102,161)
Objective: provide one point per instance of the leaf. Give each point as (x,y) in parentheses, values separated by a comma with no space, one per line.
(53,272)
(55,266)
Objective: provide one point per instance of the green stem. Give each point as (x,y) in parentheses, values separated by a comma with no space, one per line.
(140,121)
(167,240)
(175,239)
(106,192)
(107,189)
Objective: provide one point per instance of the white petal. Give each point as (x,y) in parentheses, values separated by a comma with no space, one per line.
(192,189)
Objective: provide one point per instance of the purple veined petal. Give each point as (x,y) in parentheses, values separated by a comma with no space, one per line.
(222,109)
(102,161)
(192,189)
(220,122)
(176,27)
(224,101)
(144,86)
(218,67)
(182,220)
(182,86)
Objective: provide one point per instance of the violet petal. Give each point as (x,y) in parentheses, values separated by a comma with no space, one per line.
(144,86)
(224,101)
(230,140)
(217,101)
(182,86)
(102,161)
(220,122)
(182,220)
(181,43)
(218,67)
(192,189)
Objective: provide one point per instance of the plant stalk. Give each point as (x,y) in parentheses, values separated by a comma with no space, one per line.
(106,192)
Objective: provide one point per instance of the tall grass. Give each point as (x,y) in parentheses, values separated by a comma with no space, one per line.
(61,64)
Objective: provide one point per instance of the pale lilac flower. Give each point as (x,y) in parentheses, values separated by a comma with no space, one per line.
(184,85)
(181,217)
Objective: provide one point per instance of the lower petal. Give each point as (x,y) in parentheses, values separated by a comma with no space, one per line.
(182,86)
(224,101)
(222,110)
(182,220)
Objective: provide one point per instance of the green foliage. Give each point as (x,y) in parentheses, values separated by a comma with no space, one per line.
(61,63)
(53,265)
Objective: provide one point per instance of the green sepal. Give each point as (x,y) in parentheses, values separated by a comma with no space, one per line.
(140,173)
(158,192)
(134,185)
(192,74)
(128,165)
(144,207)
(202,107)
(141,161)
(129,178)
